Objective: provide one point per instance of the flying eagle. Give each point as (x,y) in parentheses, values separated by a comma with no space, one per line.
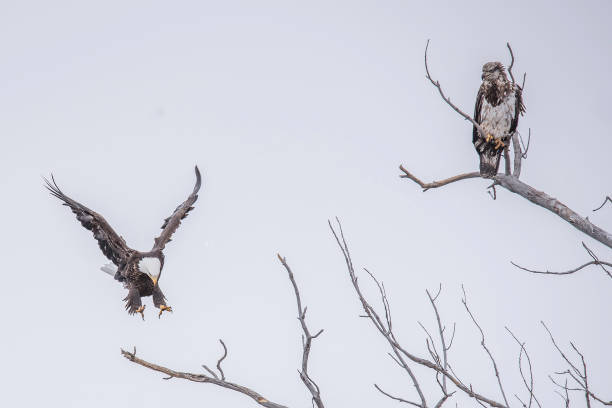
(138,271)
(498,105)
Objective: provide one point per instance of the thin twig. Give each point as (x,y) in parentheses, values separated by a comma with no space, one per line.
(221,359)
(580,377)
(569,272)
(446,99)
(511,62)
(310,384)
(395,398)
(523,147)
(529,386)
(607,199)
(484,346)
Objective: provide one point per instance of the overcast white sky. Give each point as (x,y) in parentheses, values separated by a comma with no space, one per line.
(295,112)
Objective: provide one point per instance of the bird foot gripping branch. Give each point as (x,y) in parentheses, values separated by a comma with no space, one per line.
(499,144)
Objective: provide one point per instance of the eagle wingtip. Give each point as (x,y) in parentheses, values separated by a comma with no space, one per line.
(198,180)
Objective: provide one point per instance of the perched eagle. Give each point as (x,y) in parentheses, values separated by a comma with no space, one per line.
(138,271)
(498,105)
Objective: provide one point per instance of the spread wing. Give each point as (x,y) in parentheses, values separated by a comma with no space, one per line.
(172,223)
(519,108)
(111,244)
(477,109)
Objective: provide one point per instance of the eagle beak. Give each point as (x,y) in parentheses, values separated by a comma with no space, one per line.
(154,278)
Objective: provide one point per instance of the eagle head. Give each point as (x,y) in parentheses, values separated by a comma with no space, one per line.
(492,71)
(151,266)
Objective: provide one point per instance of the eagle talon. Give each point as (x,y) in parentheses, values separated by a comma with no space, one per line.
(141,311)
(163,308)
(499,143)
(488,138)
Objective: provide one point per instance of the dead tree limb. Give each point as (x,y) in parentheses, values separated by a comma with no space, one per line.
(307,339)
(402,357)
(537,197)
(606,200)
(595,261)
(484,346)
(577,373)
(202,378)
(528,385)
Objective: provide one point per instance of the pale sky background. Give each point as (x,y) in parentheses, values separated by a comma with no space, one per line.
(295,112)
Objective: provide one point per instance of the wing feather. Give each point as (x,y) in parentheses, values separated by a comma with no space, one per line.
(477,109)
(112,245)
(519,109)
(172,223)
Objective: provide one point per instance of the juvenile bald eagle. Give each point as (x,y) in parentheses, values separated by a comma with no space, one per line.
(498,105)
(138,271)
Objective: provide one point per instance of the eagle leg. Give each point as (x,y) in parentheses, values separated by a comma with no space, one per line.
(141,311)
(163,308)
(488,138)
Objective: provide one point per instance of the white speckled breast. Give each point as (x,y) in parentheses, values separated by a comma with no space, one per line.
(496,120)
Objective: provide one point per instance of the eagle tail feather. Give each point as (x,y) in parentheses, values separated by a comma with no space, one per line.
(109,268)
(489,164)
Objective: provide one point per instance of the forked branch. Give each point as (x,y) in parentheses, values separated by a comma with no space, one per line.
(307,339)
(401,356)
(202,378)
(577,372)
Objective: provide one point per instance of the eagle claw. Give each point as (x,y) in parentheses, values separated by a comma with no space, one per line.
(163,308)
(499,143)
(141,311)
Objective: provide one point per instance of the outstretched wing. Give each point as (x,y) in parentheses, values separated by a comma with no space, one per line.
(111,244)
(172,223)
(477,109)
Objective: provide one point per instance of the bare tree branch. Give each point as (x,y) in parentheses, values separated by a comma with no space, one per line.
(202,378)
(511,62)
(607,199)
(221,359)
(578,375)
(484,346)
(529,386)
(395,398)
(436,184)
(307,343)
(386,331)
(518,155)
(447,99)
(595,261)
(537,197)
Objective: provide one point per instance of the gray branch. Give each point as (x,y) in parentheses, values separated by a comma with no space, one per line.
(384,327)
(202,378)
(537,197)
(578,375)
(307,343)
